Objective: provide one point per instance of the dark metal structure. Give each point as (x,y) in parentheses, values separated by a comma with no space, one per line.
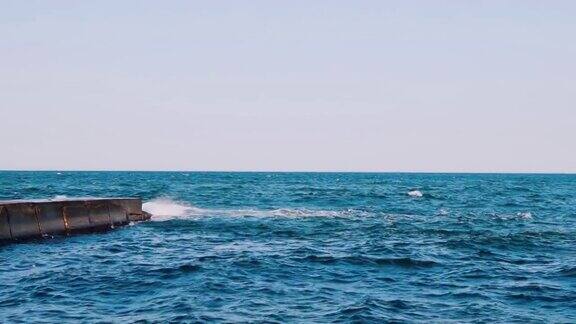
(26,219)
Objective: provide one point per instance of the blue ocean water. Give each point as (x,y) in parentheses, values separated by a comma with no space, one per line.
(302,247)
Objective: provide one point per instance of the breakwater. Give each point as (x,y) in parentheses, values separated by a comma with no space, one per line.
(26,219)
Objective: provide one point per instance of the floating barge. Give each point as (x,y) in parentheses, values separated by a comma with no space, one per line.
(28,219)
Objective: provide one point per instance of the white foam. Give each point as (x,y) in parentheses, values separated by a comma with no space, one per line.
(305,212)
(443,212)
(525,215)
(163,209)
(166,208)
(415,193)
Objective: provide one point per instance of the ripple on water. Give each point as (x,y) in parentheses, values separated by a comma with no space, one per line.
(281,247)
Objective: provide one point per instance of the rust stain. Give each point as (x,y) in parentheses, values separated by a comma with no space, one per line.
(5,211)
(65,218)
(37,214)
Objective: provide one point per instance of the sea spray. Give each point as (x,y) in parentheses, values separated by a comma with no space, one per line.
(166,209)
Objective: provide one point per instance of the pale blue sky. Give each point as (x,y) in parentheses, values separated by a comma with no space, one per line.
(485,86)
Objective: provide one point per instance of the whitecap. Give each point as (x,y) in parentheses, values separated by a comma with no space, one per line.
(524,215)
(415,193)
(166,208)
(163,209)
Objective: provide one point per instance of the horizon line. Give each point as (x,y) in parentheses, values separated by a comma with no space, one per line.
(294,171)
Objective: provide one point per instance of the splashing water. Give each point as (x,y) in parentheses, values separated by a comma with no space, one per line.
(166,209)
(163,209)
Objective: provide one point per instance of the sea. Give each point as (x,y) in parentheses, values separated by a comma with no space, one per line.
(301,248)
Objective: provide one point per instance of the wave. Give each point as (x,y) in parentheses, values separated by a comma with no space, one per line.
(59,198)
(175,271)
(404,262)
(524,215)
(415,194)
(567,272)
(166,209)
(519,216)
(163,209)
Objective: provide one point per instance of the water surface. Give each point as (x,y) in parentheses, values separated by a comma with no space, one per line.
(302,247)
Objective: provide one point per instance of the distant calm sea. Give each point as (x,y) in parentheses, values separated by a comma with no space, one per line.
(302,247)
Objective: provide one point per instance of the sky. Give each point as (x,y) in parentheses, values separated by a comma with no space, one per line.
(314,85)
